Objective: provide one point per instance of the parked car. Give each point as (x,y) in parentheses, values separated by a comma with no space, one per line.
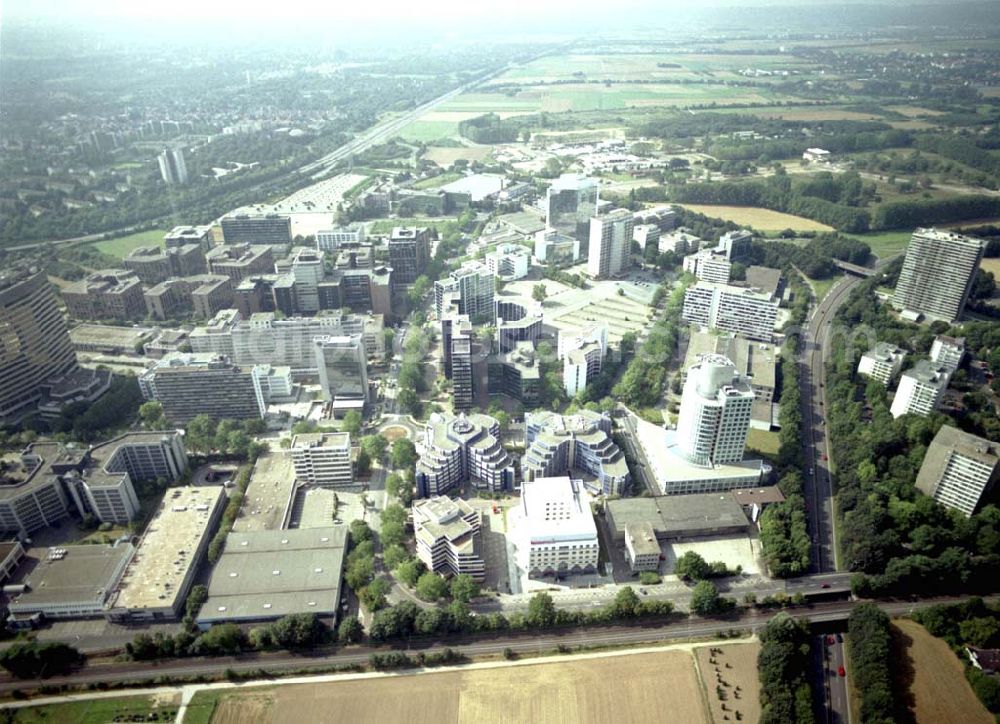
(841,671)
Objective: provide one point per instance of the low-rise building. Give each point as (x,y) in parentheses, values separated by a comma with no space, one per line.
(106,294)
(554,529)
(183,235)
(323,458)
(709,265)
(681,241)
(509,262)
(882,362)
(679,517)
(447,537)
(153,264)
(642,550)
(239,261)
(959,469)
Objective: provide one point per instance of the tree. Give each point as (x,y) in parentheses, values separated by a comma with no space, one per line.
(200,433)
(627,604)
(431,621)
(363,464)
(541,611)
(350,630)
(691,567)
(375,446)
(373,596)
(360,532)
(393,555)
(29,659)
(393,485)
(705,599)
(393,533)
(464,588)
(403,454)
(298,631)
(539,293)
(409,571)
(151,414)
(360,573)
(432,587)
(221,639)
(351,422)
(195,599)
(409,401)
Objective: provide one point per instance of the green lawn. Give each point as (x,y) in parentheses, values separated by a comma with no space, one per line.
(202,706)
(384,226)
(124,244)
(436,181)
(428,131)
(763,441)
(885,243)
(821,287)
(93,711)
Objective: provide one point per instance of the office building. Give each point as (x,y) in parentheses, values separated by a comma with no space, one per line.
(571,202)
(735,245)
(959,469)
(462,378)
(343,371)
(35,346)
(663,218)
(679,242)
(714,418)
(709,265)
(307,271)
(583,357)
(265,575)
(610,247)
(755,362)
(153,264)
(323,458)
(642,550)
(948,352)
(579,443)
(920,389)
(516,374)
(473,286)
(732,309)
(509,262)
(173,169)
(646,236)
(241,228)
(409,252)
(882,362)
(937,275)
(159,577)
(332,239)
(446,532)
(517,323)
(184,235)
(460,449)
(201,296)
(556,248)
(106,294)
(239,261)
(188,385)
(554,530)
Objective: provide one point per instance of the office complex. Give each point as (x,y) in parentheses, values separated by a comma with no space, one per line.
(34,346)
(937,275)
(332,239)
(509,262)
(920,389)
(469,289)
(755,362)
(735,245)
(188,385)
(153,264)
(173,170)
(555,247)
(583,357)
(447,536)
(610,246)
(201,296)
(241,228)
(948,351)
(646,236)
(731,309)
(322,458)
(460,449)
(679,242)
(184,235)
(958,469)
(106,294)
(882,362)
(516,374)
(343,371)
(709,265)
(48,480)
(239,261)
(571,202)
(554,530)
(714,418)
(578,443)
(409,252)
(517,323)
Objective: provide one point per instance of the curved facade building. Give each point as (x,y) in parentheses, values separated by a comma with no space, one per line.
(34,343)
(460,449)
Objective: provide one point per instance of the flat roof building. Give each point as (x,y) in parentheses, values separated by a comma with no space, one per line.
(948,351)
(188,385)
(266,574)
(554,529)
(447,536)
(938,273)
(580,443)
(461,449)
(243,228)
(409,252)
(571,202)
(959,469)
(882,362)
(106,294)
(709,265)
(182,235)
(733,309)
(509,262)
(920,389)
(239,261)
(642,550)
(323,458)
(156,582)
(677,517)
(610,244)
(755,362)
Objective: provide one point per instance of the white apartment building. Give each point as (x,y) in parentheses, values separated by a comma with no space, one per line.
(583,356)
(920,389)
(733,309)
(323,458)
(881,362)
(610,244)
(709,265)
(555,530)
(646,235)
(330,239)
(937,274)
(509,262)
(948,351)
(714,418)
(447,536)
(680,241)
(959,469)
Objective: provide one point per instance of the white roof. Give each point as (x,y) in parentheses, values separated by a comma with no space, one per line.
(556,510)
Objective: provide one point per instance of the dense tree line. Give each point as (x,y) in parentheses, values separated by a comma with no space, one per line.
(488,128)
(872,662)
(89,421)
(925,212)
(31,659)
(783,663)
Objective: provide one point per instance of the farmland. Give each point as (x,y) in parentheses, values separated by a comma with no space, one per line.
(733,669)
(571,690)
(122,245)
(933,678)
(991,265)
(760,219)
(885,243)
(98,711)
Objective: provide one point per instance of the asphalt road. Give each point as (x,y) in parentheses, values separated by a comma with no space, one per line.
(523,643)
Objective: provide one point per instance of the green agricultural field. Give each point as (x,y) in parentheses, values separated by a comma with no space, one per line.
(428,131)
(95,711)
(436,181)
(885,243)
(122,245)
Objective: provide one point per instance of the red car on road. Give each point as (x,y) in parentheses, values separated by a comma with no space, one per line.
(841,671)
